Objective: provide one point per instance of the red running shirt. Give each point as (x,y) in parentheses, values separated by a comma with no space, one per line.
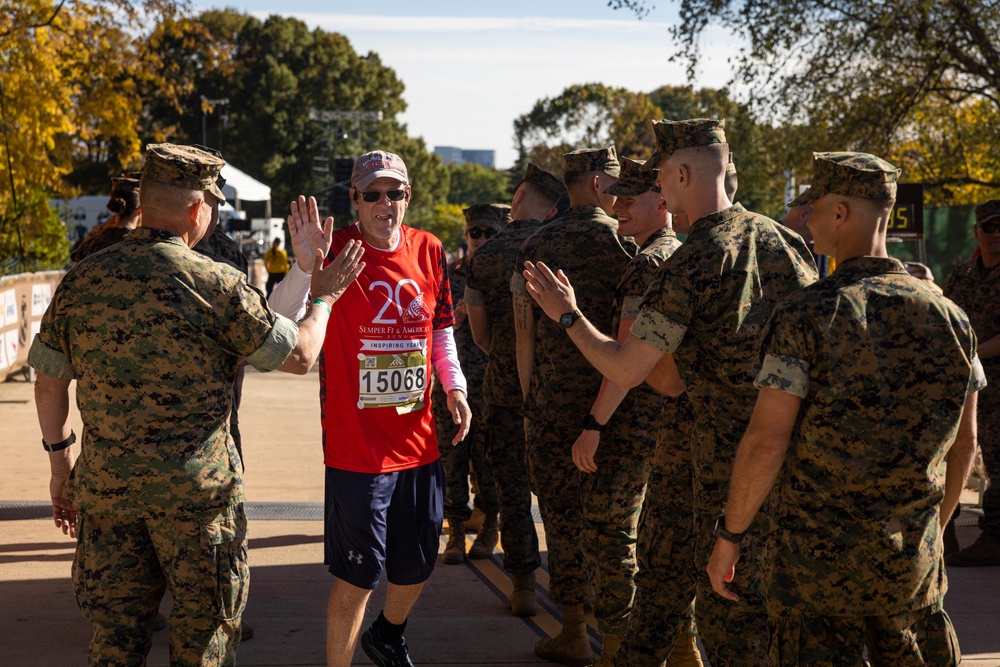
(375,371)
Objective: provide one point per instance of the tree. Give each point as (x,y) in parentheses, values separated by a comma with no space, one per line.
(859,74)
(475,184)
(273,72)
(591,115)
(587,115)
(66,91)
(447,223)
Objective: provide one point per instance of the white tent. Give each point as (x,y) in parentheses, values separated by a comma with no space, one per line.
(241,187)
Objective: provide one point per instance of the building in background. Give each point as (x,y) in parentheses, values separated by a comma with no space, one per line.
(458,156)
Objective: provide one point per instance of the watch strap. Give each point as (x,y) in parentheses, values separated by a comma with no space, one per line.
(59,446)
(569,319)
(721,532)
(590,423)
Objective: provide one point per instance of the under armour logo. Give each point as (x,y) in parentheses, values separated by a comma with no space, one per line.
(351,556)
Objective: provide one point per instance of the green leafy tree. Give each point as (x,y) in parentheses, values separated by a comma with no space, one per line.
(587,115)
(273,72)
(475,184)
(861,75)
(448,224)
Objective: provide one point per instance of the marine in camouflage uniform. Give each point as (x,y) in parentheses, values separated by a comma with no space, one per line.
(864,377)
(585,244)
(157,487)
(637,505)
(470,452)
(617,462)
(487,296)
(974,286)
(707,307)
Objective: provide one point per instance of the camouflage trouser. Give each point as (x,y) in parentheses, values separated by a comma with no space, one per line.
(733,633)
(505,454)
(123,566)
(988,416)
(611,499)
(921,637)
(457,462)
(556,482)
(665,582)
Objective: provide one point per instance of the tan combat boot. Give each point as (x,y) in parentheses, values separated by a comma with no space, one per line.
(522,599)
(609,647)
(685,652)
(571,646)
(486,540)
(454,551)
(475,522)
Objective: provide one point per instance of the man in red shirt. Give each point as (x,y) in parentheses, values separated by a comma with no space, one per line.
(384,480)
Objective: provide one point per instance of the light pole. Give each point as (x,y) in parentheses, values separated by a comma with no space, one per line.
(205,104)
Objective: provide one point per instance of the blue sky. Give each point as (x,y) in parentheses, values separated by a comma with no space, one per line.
(471,68)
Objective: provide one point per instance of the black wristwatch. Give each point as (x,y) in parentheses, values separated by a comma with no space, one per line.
(59,446)
(569,319)
(591,424)
(721,532)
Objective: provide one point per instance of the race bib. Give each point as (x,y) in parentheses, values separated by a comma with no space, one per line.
(392,379)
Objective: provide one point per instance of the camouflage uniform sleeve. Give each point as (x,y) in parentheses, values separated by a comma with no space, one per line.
(786,348)
(250,329)
(472,296)
(518,285)
(444,311)
(665,312)
(49,353)
(280,341)
(978,380)
(632,288)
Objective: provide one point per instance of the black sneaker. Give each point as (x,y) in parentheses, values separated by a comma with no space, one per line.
(383,654)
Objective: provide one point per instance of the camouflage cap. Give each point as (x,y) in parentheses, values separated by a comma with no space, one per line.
(673,135)
(485,215)
(593,159)
(542,179)
(378,164)
(504,213)
(990,209)
(850,174)
(190,167)
(127,182)
(633,180)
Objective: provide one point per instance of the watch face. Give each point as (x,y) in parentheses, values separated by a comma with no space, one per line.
(567,320)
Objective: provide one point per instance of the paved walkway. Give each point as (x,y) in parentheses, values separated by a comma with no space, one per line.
(459,620)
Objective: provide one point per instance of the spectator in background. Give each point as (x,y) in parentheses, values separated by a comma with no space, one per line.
(276,263)
(124,204)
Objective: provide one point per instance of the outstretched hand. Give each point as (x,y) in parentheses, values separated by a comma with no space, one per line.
(329,282)
(551,291)
(307,234)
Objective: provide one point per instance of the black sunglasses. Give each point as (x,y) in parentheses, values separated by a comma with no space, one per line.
(989,227)
(372,196)
(476,232)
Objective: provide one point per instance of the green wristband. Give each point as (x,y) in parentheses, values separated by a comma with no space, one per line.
(320,302)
